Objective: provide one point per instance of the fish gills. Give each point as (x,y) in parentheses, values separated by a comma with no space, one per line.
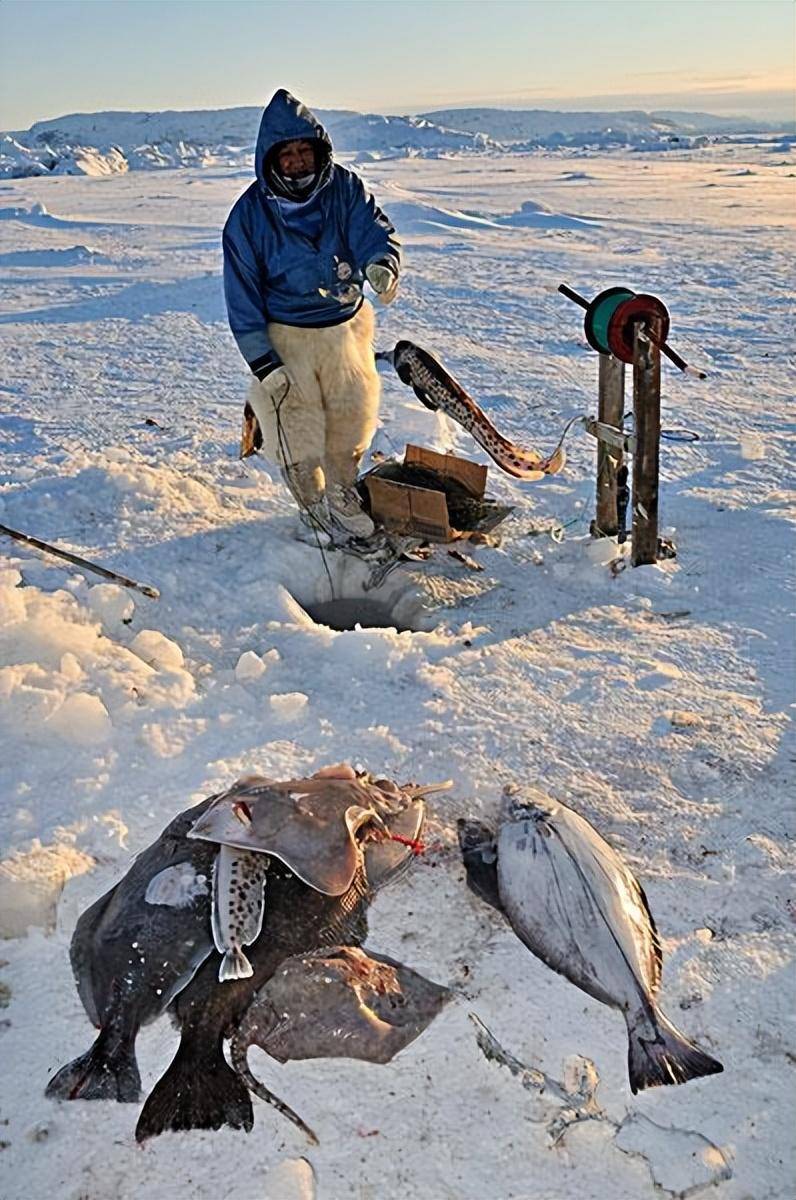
(238,906)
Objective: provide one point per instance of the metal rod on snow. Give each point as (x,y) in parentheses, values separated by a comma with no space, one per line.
(46,548)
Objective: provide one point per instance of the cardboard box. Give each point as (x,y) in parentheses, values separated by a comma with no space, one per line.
(423,512)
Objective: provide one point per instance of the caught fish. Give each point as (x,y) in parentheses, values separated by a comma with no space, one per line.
(335,1003)
(238,901)
(439,391)
(573,902)
(311,825)
(132,951)
(199,1090)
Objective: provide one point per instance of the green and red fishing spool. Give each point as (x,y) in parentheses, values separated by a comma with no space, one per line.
(611,318)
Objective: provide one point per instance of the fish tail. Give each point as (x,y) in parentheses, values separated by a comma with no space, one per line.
(239,1055)
(234,965)
(198,1091)
(108,1071)
(668,1058)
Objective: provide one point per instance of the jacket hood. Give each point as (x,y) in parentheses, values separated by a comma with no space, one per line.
(286,119)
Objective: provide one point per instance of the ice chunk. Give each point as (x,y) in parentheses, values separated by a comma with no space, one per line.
(249,667)
(292,1179)
(12,605)
(681,1161)
(83,719)
(71,668)
(111,604)
(288,705)
(31,883)
(157,650)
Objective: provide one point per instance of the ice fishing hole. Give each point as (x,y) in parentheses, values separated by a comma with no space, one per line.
(349,611)
(342,598)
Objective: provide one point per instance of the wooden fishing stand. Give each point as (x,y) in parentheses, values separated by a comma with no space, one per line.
(646,455)
(610,411)
(626,327)
(644,446)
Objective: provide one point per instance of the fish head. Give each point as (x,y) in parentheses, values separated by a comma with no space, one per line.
(476,839)
(479,855)
(528,803)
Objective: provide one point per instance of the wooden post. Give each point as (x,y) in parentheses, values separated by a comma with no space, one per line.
(611,409)
(647,414)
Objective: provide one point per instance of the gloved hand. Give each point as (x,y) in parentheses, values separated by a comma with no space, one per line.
(275,386)
(383,278)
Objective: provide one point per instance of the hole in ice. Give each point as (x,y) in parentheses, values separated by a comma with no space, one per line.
(350,611)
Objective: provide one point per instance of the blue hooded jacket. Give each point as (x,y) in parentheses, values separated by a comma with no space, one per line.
(295,262)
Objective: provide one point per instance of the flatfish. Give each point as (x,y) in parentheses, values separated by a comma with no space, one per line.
(335,1003)
(133,950)
(574,903)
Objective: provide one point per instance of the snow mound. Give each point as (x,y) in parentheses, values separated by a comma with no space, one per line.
(62,677)
(413,216)
(82,719)
(31,883)
(532,215)
(67,256)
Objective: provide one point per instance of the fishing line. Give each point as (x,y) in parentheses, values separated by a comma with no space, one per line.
(287,458)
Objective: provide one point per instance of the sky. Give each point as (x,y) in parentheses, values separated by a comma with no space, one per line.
(396,56)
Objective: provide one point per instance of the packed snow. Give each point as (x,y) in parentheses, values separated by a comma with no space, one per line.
(655,701)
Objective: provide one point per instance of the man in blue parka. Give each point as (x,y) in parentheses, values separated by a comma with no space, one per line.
(298,246)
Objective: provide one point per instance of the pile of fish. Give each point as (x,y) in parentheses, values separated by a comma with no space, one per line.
(287,870)
(246,918)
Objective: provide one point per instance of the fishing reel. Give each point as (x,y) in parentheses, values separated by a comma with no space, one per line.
(611,318)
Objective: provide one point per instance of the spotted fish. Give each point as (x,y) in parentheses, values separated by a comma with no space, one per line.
(238,907)
(438,390)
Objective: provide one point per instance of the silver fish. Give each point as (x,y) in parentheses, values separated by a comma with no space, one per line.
(238,907)
(574,903)
(438,390)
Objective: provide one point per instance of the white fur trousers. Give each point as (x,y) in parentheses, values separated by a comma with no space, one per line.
(328,417)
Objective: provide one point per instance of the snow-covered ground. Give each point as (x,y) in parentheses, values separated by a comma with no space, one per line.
(654,701)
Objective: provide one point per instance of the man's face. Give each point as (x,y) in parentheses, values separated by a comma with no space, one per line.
(296,159)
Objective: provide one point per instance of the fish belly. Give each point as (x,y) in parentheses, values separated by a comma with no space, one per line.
(238,897)
(559,915)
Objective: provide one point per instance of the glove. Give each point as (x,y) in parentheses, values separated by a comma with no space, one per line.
(383,278)
(274,386)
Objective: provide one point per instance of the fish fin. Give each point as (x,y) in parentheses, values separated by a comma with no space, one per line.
(670,1058)
(215,926)
(240,1063)
(195,1093)
(234,965)
(108,1071)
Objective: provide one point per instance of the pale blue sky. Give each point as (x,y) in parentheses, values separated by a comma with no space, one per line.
(728,56)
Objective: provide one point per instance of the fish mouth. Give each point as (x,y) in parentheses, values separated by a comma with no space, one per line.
(474,836)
